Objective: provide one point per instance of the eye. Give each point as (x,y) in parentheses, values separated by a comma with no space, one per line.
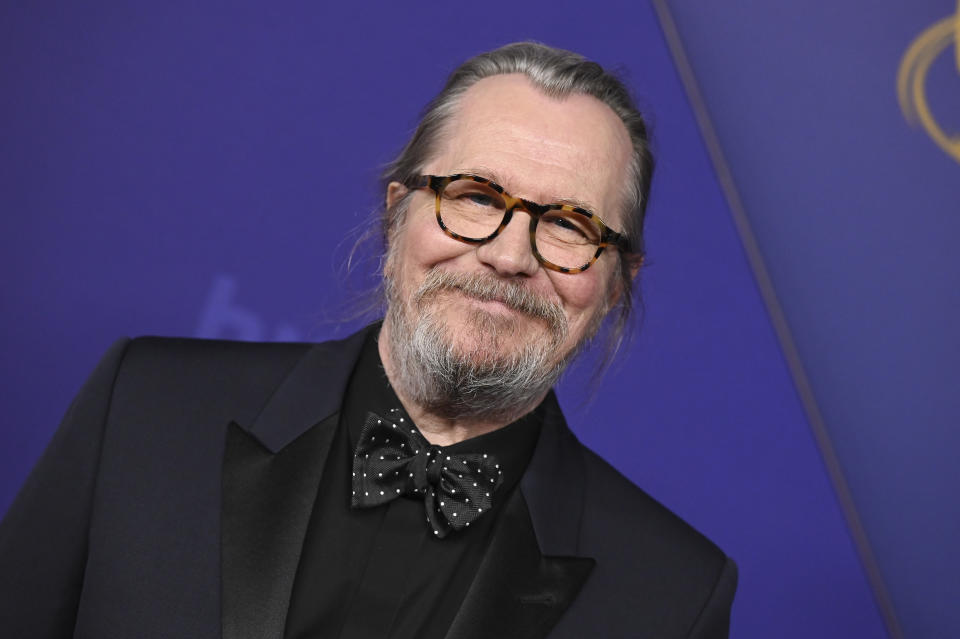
(566,227)
(469,197)
(564,223)
(480,198)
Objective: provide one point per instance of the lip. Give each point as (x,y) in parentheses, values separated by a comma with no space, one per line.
(495,307)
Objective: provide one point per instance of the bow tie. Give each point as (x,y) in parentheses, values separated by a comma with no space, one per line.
(393,459)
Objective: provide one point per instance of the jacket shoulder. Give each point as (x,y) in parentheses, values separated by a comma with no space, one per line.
(173,351)
(158,374)
(222,378)
(648,558)
(614,501)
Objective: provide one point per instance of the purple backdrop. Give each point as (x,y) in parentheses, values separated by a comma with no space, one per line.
(200,169)
(854,207)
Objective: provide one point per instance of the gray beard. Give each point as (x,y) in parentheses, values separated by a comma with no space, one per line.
(501,377)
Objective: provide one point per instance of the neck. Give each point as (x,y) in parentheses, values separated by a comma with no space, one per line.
(441,429)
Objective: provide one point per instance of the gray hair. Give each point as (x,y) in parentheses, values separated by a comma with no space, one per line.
(558,73)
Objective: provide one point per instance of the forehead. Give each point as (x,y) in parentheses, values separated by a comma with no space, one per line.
(538,147)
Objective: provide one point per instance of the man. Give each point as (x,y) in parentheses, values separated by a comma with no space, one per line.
(416,479)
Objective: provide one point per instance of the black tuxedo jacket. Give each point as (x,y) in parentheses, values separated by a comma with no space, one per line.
(174,498)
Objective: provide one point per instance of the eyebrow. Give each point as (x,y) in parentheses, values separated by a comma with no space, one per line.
(488,173)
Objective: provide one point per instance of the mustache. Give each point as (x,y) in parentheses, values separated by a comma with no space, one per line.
(489,288)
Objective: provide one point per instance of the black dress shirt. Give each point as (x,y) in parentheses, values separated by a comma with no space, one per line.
(374,573)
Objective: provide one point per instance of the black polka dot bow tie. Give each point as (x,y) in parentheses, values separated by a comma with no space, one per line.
(394,459)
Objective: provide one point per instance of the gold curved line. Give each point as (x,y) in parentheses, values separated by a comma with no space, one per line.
(950,144)
(927,46)
(956,38)
(912,76)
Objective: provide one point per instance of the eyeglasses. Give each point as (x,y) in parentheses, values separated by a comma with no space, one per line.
(475,210)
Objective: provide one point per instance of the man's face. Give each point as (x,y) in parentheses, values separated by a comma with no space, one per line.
(573,150)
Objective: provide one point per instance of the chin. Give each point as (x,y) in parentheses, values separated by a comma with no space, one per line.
(460,361)
(481,352)
(489,337)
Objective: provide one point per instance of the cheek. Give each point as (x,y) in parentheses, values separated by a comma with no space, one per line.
(420,245)
(417,246)
(583,294)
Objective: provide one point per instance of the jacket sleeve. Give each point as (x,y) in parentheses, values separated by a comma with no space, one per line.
(44,535)
(714,619)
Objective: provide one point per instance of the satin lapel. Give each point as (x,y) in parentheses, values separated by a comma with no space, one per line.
(267,501)
(554,484)
(271,472)
(518,593)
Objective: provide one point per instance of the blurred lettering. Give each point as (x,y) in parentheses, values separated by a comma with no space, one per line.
(223,318)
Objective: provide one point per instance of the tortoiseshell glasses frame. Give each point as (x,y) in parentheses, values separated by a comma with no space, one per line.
(607,237)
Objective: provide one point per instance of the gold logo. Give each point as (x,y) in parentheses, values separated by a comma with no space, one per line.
(912,79)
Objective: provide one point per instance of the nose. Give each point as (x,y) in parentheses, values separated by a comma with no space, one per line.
(510,253)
